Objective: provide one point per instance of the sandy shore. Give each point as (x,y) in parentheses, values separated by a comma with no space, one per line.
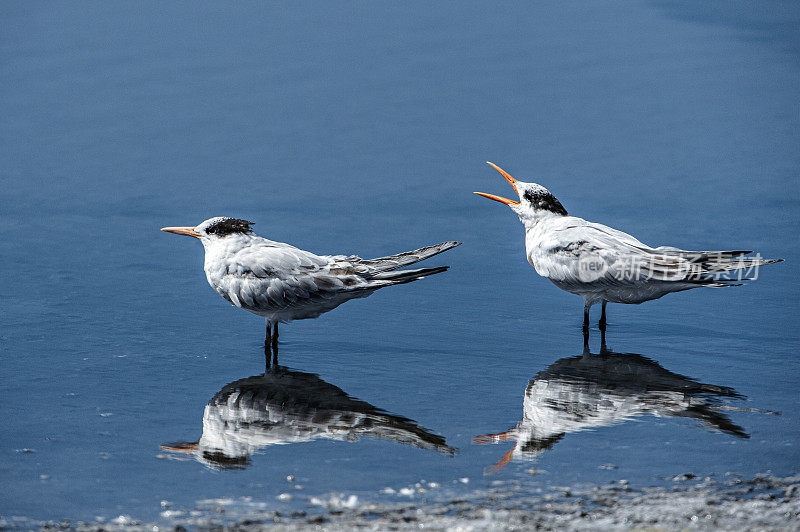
(761,503)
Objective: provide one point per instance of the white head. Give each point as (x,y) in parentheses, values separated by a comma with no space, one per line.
(535,201)
(214,229)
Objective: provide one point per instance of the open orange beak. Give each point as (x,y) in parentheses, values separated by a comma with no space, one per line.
(500,198)
(186,231)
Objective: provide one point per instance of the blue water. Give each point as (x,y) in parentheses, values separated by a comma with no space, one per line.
(363,128)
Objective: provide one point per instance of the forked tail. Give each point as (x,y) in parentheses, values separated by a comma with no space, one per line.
(705,268)
(407,276)
(725,268)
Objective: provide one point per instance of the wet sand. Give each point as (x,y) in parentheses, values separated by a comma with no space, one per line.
(763,502)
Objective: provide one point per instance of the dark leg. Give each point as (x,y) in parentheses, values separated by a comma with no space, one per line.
(275,354)
(586,351)
(603,348)
(603,318)
(275,338)
(267,345)
(586,318)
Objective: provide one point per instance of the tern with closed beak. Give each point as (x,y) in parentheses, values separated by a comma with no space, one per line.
(603,265)
(282,283)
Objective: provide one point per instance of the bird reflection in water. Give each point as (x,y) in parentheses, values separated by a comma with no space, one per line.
(589,391)
(283,406)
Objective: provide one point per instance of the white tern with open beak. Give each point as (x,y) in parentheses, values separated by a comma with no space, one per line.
(602,264)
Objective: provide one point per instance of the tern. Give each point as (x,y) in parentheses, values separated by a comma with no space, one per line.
(602,264)
(282,283)
(590,391)
(285,406)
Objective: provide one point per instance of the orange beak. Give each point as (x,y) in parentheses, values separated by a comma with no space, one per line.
(500,198)
(186,231)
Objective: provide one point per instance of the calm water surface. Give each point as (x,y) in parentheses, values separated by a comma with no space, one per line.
(362,128)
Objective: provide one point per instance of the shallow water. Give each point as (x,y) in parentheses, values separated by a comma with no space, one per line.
(363,129)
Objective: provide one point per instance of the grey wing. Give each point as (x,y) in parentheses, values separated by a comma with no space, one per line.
(268,259)
(595,255)
(716,263)
(605,257)
(275,279)
(281,279)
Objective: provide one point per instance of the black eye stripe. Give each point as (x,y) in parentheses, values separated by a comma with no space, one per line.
(229,226)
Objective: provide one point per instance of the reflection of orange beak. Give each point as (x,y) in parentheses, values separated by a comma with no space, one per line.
(180,447)
(186,231)
(497,438)
(181,451)
(509,179)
